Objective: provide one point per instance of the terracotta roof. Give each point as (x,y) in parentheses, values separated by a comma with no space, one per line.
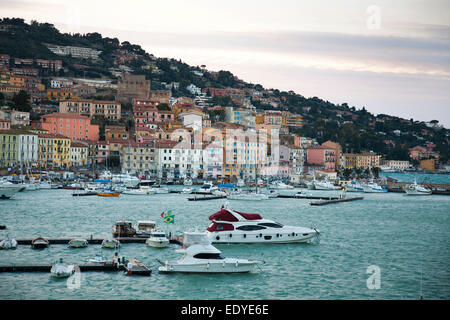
(52,135)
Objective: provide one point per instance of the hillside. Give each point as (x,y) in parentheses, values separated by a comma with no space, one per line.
(355,129)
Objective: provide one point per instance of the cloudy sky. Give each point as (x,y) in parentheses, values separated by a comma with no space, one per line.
(390,56)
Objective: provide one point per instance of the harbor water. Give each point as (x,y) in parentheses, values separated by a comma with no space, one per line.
(407,238)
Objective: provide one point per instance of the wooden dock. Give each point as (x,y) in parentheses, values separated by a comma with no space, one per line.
(108,267)
(205,197)
(325,202)
(307,197)
(53,241)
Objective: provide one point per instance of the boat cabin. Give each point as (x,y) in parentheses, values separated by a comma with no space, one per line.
(123,229)
(146,226)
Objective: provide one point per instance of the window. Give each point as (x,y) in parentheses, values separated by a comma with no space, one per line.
(271,225)
(216,256)
(250,228)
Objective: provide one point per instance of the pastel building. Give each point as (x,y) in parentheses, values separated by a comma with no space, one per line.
(322,157)
(108,109)
(71,125)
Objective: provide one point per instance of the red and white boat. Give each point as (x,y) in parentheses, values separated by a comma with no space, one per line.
(230,226)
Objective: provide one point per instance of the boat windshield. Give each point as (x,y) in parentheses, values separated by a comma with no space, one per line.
(216,256)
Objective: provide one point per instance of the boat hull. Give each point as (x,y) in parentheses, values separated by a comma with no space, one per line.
(257,237)
(9,192)
(157,243)
(218,267)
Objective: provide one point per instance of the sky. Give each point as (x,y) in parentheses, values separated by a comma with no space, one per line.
(391,57)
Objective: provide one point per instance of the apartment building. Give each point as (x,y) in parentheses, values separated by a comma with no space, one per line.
(109,109)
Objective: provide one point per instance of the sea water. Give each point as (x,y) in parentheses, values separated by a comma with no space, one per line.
(405,239)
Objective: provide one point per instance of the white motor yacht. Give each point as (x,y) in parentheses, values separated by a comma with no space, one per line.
(280,185)
(271,193)
(78,243)
(45,185)
(8,190)
(373,187)
(62,270)
(207,188)
(8,243)
(187,190)
(200,256)
(157,239)
(230,226)
(158,189)
(354,186)
(247,196)
(126,179)
(240,183)
(416,190)
(323,185)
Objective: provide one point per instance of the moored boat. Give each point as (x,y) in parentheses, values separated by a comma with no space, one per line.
(62,270)
(107,194)
(110,244)
(416,190)
(230,226)
(123,229)
(8,243)
(78,243)
(40,243)
(200,256)
(157,239)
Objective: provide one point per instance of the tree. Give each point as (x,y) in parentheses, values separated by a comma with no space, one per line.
(22,101)
(376,172)
(347,173)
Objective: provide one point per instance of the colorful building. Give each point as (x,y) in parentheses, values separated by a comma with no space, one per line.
(71,125)
(323,158)
(109,109)
(8,148)
(54,150)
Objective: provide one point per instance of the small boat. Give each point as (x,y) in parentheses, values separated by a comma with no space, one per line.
(247,196)
(187,190)
(8,190)
(62,270)
(157,239)
(271,193)
(123,229)
(145,227)
(45,185)
(207,188)
(136,192)
(240,183)
(354,186)
(158,189)
(110,244)
(188,182)
(108,194)
(200,256)
(373,187)
(40,243)
(416,190)
(323,185)
(78,243)
(8,243)
(99,258)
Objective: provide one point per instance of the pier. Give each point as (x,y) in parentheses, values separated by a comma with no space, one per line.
(53,241)
(438,189)
(325,202)
(206,198)
(107,267)
(307,197)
